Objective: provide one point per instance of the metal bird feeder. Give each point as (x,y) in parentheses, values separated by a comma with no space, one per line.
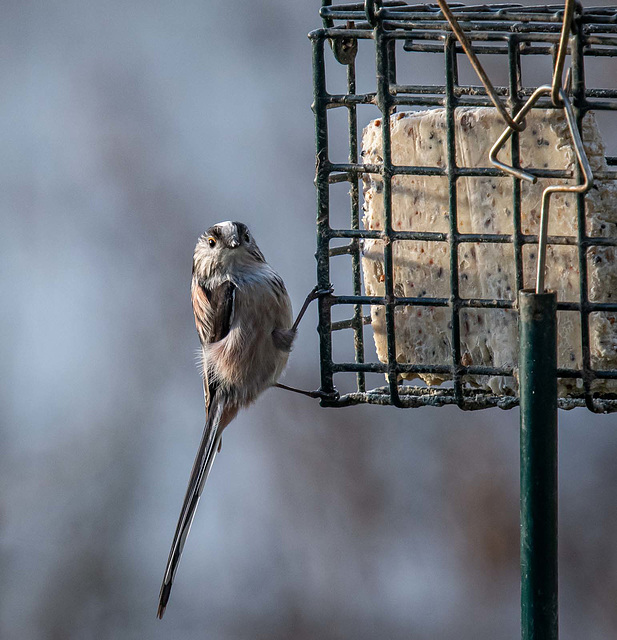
(398,33)
(500,30)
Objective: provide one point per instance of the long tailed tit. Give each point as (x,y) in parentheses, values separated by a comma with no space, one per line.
(244,321)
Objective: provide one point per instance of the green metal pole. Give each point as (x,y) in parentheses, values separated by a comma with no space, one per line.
(538,392)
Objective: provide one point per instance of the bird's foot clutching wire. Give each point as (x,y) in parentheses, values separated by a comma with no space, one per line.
(313,295)
(322,395)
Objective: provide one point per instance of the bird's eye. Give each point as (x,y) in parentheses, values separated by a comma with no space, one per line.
(247,237)
(211,241)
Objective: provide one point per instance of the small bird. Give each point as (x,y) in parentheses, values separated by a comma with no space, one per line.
(244,321)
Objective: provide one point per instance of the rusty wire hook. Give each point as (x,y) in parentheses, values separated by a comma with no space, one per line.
(577,188)
(577,144)
(559,98)
(512,123)
(566,28)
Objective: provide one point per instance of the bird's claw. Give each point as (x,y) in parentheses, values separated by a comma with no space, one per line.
(320,293)
(324,395)
(319,394)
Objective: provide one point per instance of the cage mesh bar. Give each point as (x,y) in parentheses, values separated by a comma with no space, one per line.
(503,30)
(578,94)
(322,173)
(358,319)
(451,74)
(515,79)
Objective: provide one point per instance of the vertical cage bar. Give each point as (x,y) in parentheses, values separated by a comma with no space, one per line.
(515,81)
(579,104)
(322,171)
(327,3)
(358,321)
(538,393)
(450,105)
(391,50)
(384,102)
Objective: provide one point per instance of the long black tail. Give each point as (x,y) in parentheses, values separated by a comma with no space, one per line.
(201,468)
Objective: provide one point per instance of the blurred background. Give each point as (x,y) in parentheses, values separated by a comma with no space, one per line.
(127,129)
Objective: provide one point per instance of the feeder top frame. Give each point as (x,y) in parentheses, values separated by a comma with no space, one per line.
(504,17)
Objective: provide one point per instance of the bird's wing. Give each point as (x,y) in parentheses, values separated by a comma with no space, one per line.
(222,300)
(213,308)
(221,303)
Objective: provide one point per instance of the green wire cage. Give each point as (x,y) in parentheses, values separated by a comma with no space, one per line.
(397,32)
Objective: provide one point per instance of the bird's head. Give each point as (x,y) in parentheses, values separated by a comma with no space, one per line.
(224,246)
